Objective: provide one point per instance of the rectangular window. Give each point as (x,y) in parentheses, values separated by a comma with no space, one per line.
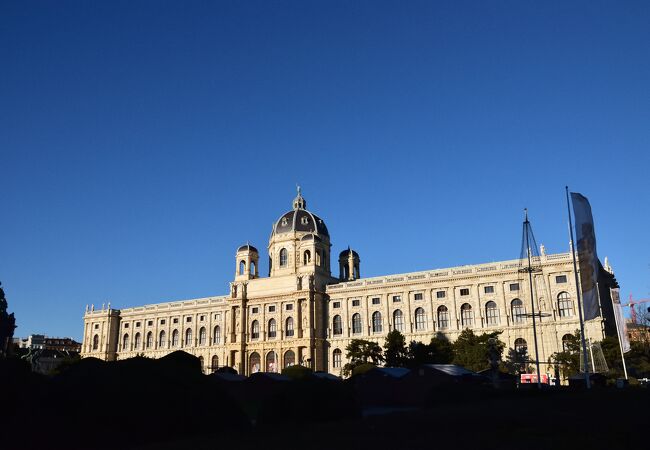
(440,294)
(418,296)
(514,286)
(150,323)
(336,304)
(271,308)
(188,319)
(560,279)
(375,301)
(488,289)
(356,302)
(202,318)
(397,298)
(137,324)
(176,320)
(162,321)
(96,326)
(464,291)
(255,310)
(289,307)
(126,325)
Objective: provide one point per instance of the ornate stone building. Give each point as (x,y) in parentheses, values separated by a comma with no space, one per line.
(301,314)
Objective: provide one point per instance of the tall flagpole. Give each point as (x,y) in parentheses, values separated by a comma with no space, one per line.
(532,297)
(575,272)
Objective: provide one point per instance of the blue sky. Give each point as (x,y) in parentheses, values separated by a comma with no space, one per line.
(142,142)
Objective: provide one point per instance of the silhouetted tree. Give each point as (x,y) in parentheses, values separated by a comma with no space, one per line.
(568,360)
(474,352)
(360,351)
(7,325)
(395,349)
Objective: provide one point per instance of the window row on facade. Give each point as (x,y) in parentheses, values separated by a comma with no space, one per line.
(443,320)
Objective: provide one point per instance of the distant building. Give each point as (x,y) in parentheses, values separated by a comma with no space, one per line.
(62,344)
(303,314)
(42,342)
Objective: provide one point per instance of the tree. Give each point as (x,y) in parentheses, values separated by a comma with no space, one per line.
(438,351)
(442,351)
(474,352)
(516,361)
(568,360)
(360,351)
(395,352)
(7,325)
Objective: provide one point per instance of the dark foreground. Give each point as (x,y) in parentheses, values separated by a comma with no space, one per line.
(168,404)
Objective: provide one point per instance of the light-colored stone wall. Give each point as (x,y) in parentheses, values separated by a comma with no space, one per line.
(312,310)
(551,327)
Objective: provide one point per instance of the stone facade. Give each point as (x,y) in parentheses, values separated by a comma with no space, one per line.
(300,314)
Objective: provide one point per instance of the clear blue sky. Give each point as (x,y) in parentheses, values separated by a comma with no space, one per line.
(142,142)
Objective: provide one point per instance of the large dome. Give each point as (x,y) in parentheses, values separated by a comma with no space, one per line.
(300,220)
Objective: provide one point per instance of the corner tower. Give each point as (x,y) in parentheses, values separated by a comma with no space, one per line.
(299,243)
(247,259)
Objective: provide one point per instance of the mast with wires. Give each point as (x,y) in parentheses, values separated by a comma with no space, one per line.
(527,258)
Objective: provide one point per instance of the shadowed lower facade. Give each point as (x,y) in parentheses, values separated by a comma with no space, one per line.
(301,314)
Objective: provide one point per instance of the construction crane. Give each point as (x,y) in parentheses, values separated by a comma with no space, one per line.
(633,302)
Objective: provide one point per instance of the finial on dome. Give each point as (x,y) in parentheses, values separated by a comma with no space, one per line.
(299,202)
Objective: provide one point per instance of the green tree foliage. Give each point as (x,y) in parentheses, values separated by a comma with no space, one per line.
(360,351)
(474,352)
(637,359)
(395,349)
(568,360)
(438,351)
(516,362)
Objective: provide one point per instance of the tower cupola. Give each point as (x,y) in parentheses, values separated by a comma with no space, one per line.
(349,265)
(247,259)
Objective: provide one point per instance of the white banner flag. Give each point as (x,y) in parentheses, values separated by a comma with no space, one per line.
(620,320)
(587,256)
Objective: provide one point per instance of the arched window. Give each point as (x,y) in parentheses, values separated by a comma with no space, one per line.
(518,311)
(162,339)
(306,257)
(289,327)
(202,362)
(420,319)
(215,363)
(203,336)
(253,268)
(149,339)
(337,326)
(491,314)
(272,329)
(242,267)
(356,323)
(336,358)
(125,342)
(96,342)
(567,341)
(521,346)
(175,338)
(398,320)
(137,341)
(443,317)
(289,358)
(255,362)
(271,362)
(565,304)
(188,337)
(376,322)
(466,315)
(283,257)
(216,335)
(255,330)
